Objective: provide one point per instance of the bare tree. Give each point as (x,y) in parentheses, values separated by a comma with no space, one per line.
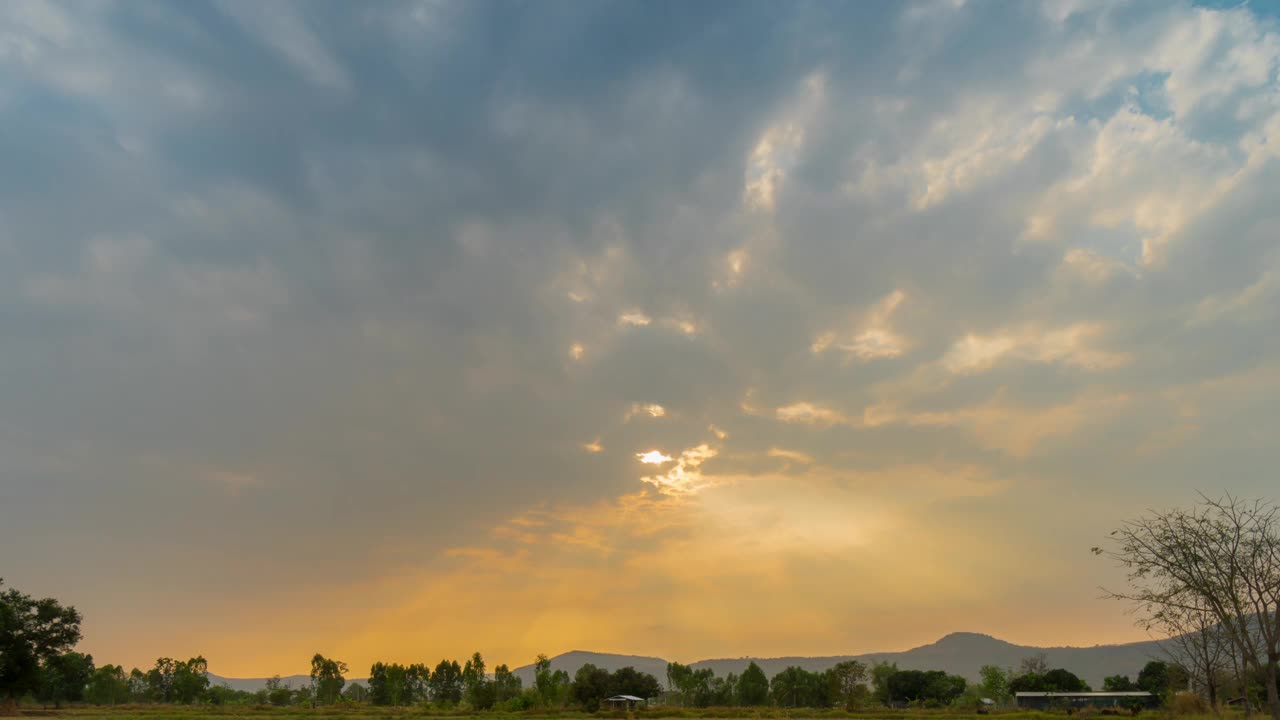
(1196,643)
(1222,557)
(1037,664)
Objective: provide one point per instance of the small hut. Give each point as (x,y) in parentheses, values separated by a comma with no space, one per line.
(624,702)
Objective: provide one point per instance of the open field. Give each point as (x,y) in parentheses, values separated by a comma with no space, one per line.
(146,712)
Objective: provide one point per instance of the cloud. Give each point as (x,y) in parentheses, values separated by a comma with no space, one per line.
(286,33)
(875,276)
(686,477)
(653,410)
(1069,346)
(810,414)
(791,455)
(634,318)
(874,337)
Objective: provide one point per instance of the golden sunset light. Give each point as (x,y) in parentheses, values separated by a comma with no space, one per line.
(827,356)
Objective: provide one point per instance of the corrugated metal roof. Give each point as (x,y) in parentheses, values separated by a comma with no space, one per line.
(631,698)
(1134,693)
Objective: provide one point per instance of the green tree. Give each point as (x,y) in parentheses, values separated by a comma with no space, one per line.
(560,684)
(31,632)
(108,686)
(850,680)
(64,678)
(995,682)
(1118,683)
(446,683)
(506,684)
(698,687)
(160,680)
(138,689)
(677,678)
(223,694)
(753,686)
(479,692)
(175,681)
(1026,682)
(414,683)
(629,681)
(881,673)
(543,682)
(723,690)
(356,693)
(796,687)
(1160,678)
(590,685)
(191,680)
(1062,680)
(327,679)
(926,687)
(395,684)
(278,693)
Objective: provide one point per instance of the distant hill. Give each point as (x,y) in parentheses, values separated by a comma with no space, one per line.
(574,659)
(256,684)
(957,653)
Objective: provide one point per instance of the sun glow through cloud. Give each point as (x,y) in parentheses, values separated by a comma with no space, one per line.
(654,457)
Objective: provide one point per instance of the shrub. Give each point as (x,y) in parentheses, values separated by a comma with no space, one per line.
(1188,703)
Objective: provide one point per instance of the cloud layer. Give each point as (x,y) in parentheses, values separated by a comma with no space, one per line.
(690,329)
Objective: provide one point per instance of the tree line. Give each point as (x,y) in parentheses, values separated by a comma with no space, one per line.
(37,661)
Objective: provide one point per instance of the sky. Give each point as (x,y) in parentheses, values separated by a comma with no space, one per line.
(400,330)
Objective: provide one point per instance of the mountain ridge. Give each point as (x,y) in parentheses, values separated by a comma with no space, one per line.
(958,653)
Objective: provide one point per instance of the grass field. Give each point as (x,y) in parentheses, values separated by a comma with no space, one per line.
(169,712)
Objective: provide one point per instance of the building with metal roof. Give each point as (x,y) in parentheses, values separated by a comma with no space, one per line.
(1048,700)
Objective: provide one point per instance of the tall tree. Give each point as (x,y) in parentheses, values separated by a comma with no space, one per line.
(678,678)
(356,693)
(1161,679)
(1037,664)
(995,682)
(753,686)
(327,679)
(191,680)
(31,632)
(629,681)
(930,687)
(797,687)
(590,685)
(138,689)
(850,678)
(506,684)
(64,678)
(413,681)
(108,686)
(1197,644)
(543,682)
(1118,683)
(881,673)
(480,693)
(278,693)
(446,683)
(1222,555)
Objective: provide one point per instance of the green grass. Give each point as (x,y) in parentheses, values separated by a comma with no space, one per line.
(365,712)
